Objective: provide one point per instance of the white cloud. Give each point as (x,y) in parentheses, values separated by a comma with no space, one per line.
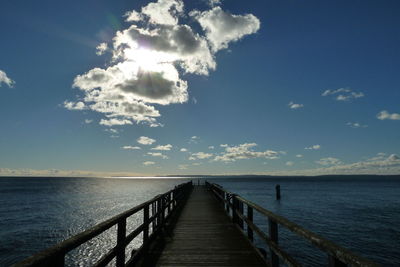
(87,121)
(343,94)
(5,79)
(329,161)
(289,163)
(384,115)
(114,131)
(101,49)
(211,147)
(314,147)
(292,105)
(144,140)
(244,151)
(222,27)
(194,139)
(157,154)
(356,125)
(113,122)
(74,106)
(162,148)
(200,155)
(183,150)
(164,11)
(213,3)
(149,57)
(299,156)
(183,167)
(131,148)
(148,163)
(132,16)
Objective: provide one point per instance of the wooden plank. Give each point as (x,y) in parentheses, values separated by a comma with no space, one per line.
(205,236)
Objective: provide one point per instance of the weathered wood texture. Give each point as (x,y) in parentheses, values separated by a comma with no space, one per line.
(205,236)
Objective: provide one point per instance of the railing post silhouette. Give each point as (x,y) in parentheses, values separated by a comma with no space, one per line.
(334,262)
(240,220)
(250,217)
(121,235)
(146,223)
(273,235)
(234,209)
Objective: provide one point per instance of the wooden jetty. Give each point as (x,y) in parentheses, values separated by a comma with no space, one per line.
(197,226)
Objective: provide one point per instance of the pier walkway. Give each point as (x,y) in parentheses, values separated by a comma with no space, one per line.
(205,236)
(196,226)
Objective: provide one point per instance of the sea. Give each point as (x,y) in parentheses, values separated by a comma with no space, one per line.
(360,213)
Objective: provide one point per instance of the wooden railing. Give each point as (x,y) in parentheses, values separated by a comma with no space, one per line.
(234,207)
(156,212)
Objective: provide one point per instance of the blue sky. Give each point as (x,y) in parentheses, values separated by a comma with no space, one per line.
(262,87)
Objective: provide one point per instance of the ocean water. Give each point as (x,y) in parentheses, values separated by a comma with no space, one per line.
(358,213)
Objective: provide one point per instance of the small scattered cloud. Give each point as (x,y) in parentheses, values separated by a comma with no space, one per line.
(114,122)
(299,156)
(183,166)
(356,125)
(329,161)
(292,105)
(111,130)
(131,148)
(211,147)
(101,49)
(87,121)
(157,154)
(314,147)
(385,115)
(163,148)
(289,163)
(200,155)
(343,94)
(5,79)
(244,151)
(148,163)
(183,150)
(194,139)
(74,105)
(144,140)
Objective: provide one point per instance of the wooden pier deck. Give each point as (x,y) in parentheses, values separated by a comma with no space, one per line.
(205,236)
(196,226)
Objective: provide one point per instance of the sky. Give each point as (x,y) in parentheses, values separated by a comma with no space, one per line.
(171,87)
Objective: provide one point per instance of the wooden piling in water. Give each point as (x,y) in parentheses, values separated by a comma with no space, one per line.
(278,192)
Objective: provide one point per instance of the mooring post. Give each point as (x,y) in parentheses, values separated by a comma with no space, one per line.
(278,192)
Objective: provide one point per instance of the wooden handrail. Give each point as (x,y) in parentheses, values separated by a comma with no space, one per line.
(167,202)
(338,256)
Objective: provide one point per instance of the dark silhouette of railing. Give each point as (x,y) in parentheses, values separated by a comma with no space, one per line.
(156,212)
(234,207)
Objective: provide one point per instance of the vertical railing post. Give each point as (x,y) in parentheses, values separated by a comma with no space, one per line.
(227,202)
(234,208)
(153,212)
(169,203)
(240,220)
(159,211)
(121,236)
(146,223)
(250,218)
(273,235)
(58,260)
(335,262)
